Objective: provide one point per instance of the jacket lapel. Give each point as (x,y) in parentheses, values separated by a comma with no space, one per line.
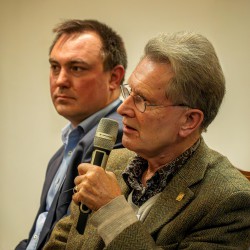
(174,198)
(53,166)
(178,193)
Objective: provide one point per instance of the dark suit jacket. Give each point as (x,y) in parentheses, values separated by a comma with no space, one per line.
(59,207)
(214,212)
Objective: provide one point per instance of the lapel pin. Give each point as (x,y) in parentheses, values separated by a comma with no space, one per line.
(180,196)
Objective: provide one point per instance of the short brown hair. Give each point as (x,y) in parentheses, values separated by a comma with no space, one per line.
(113,49)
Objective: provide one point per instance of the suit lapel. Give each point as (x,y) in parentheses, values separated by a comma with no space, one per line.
(174,198)
(178,193)
(66,192)
(53,166)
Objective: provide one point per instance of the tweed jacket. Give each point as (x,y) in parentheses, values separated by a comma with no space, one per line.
(212,212)
(61,202)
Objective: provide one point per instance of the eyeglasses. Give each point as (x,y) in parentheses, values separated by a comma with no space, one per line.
(140,103)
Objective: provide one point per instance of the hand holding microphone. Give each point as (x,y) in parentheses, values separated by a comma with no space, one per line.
(95,187)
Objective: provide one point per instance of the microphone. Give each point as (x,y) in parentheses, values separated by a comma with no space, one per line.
(104,142)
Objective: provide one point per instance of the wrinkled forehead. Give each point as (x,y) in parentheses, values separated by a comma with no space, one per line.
(153,72)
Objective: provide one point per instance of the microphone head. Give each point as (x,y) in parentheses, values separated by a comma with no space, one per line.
(106,134)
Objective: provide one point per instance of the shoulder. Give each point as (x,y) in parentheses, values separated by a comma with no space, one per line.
(215,180)
(221,171)
(119,159)
(212,177)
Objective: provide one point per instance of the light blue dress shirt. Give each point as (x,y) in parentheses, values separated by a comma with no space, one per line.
(70,138)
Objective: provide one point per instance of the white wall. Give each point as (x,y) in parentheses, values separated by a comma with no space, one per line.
(30,128)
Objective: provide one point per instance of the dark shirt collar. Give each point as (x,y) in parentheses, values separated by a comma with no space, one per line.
(133,175)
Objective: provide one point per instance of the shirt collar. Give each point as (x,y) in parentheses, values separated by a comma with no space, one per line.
(133,174)
(87,124)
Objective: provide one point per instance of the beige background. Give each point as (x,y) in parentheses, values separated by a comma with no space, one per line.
(30,127)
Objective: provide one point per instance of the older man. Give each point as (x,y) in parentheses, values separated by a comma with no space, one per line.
(175,193)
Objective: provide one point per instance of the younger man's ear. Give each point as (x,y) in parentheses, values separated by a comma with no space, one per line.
(117,74)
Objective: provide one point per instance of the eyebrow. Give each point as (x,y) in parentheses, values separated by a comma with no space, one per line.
(51,60)
(75,61)
(135,90)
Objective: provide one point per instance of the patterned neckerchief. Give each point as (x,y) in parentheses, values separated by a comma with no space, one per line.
(133,175)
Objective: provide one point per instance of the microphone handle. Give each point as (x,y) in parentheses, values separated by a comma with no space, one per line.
(99,158)
(83,218)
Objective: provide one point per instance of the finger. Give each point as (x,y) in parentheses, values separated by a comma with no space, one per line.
(76,198)
(75,189)
(78,180)
(80,199)
(83,168)
(111,174)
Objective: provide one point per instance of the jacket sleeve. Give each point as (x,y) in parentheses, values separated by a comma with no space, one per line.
(227,226)
(59,237)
